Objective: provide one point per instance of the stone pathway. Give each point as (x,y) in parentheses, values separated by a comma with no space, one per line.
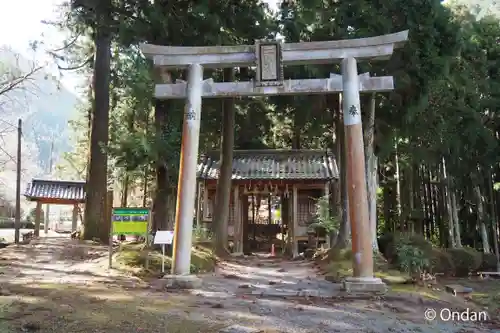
(269,277)
(288,296)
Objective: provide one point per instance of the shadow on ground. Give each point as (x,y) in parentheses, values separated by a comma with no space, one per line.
(57,285)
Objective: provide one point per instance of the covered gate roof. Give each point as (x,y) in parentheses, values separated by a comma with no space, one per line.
(272,165)
(56,191)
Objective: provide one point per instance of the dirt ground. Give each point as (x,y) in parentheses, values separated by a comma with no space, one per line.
(59,285)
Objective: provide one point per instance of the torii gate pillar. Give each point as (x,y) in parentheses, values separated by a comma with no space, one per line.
(362,279)
(184,215)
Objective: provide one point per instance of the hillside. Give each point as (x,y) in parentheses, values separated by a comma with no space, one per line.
(45,108)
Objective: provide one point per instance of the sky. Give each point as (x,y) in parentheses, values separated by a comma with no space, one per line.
(20,24)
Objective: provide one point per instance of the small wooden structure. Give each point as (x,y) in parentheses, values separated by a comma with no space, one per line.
(290,180)
(55,192)
(458,290)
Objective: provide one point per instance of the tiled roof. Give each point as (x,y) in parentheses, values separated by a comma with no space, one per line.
(273,164)
(56,189)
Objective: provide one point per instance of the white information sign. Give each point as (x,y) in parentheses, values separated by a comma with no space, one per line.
(164,237)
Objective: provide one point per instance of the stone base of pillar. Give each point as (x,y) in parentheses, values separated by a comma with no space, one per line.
(237,254)
(181,282)
(364,285)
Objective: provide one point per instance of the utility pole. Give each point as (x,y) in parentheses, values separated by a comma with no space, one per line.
(47,206)
(17,222)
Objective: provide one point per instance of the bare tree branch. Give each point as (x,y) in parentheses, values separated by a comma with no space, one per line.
(13,82)
(67,45)
(72,68)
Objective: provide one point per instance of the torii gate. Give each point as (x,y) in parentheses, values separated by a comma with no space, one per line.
(269,57)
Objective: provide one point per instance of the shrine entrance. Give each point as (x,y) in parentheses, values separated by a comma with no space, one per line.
(269,57)
(273,199)
(265,224)
(56,192)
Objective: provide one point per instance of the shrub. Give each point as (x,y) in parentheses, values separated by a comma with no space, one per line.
(441,262)
(340,254)
(411,259)
(465,260)
(201,233)
(393,242)
(384,242)
(488,262)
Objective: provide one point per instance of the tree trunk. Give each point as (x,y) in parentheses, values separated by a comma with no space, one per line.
(96,187)
(126,178)
(480,218)
(160,221)
(335,197)
(432,211)
(493,218)
(345,227)
(371,167)
(296,139)
(449,206)
(411,199)
(223,194)
(456,221)
(145,187)
(398,188)
(427,201)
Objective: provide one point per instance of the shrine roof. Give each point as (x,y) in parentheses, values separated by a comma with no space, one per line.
(272,165)
(62,191)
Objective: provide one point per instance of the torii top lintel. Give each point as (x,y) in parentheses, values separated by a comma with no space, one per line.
(372,48)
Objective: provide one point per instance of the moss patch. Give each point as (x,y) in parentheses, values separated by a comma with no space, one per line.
(415,290)
(486,293)
(132,257)
(337,265)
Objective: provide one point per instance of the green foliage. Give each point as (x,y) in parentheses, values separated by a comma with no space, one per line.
(465,260)
(440,261)
(323,219)
(202,234)
(390,244)
(411,259)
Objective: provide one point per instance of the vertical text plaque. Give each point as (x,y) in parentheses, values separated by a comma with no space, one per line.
(269,63)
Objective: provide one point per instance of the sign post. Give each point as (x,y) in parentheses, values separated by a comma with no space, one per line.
(163,237)
(128,221)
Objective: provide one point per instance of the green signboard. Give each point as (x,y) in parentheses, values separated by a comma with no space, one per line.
(130,221)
